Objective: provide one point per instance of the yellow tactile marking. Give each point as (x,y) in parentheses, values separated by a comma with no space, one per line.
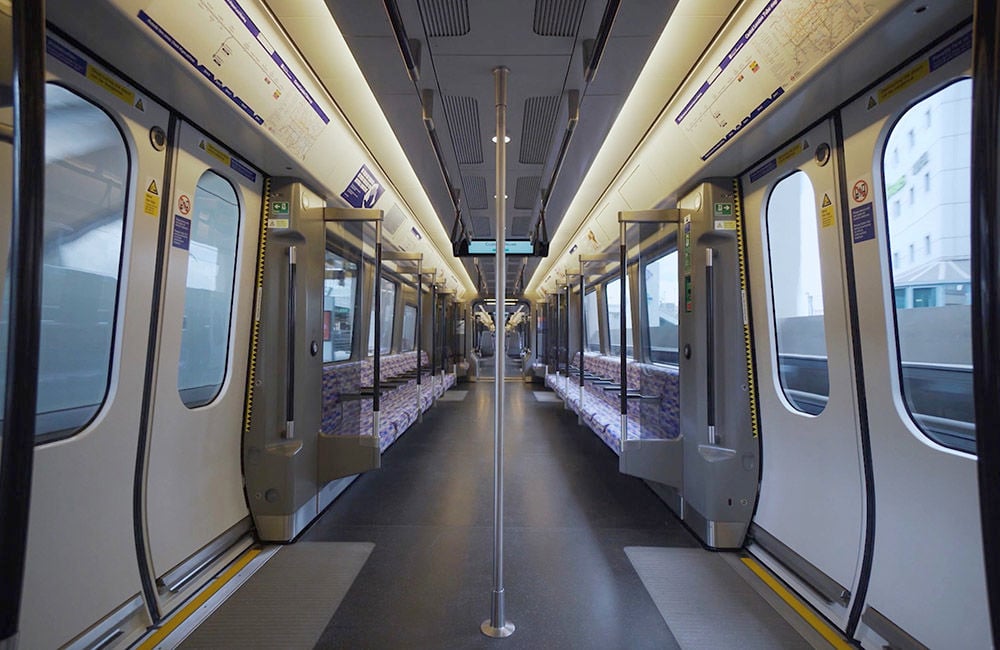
(831,635)
(748,344)
(175,621)
(258,289)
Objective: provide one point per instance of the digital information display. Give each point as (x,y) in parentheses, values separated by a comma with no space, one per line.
(511,247)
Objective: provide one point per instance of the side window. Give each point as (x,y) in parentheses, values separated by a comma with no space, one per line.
(86,191)
(932,294)
(387,297)
(593,327)
(208,296)
(340,282)
(613,295)
(662,297)
(409,328)
(797,293)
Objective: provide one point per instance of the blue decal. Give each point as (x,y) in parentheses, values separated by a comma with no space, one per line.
(745,122)
(863,222)
(182,233)
(364,191)
(62,53)
(239,167)
(763,170)
(950,51)
(733,51)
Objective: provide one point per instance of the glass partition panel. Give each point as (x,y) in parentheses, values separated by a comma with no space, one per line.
(591,322)
(339,294)
(388,308)
(409,342)
(662,294)
(612,295)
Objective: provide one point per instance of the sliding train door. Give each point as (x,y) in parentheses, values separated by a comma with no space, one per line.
(194,501)
(105,155)
(907,156)
(810,521)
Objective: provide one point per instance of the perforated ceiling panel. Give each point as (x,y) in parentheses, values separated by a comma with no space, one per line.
(539,120)
(445,17)
(557,17)
(393,219)
(475,192)
(526,192)
(519,226)
(482,226)
(462,114)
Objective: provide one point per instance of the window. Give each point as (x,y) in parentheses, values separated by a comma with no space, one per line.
(912,138)
(913,254)
(208,296)
(340,285)
(933,331)
(927,119)
(912,196)
(388,309)
(927,181)
(409,328)
(84,217)
(591,323)
(613,297)
(797,293)
(662,298)
(896,210)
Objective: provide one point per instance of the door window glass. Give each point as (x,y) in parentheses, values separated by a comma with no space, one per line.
(932,292)
(662,297)
(797,294)
(208,293)
(340,282)
(86,176)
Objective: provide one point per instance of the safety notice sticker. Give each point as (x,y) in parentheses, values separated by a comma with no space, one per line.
(364,191)
(182,233)
(151,204)
(863,222)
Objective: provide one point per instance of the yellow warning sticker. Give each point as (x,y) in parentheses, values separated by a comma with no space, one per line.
(105,81)
(151,203)
(215,152)
(277,223)
(790,153)
(905,80)
(827,212)
(726,224)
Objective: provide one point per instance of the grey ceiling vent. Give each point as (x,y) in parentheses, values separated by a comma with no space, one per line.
(519,227)
(463,122)
(393,219)
(482,226)
(445,17)
(539,120)
(526,192)
(558,17)
(475,192)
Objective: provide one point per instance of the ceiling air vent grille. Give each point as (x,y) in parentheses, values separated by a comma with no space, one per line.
(519,227)
(539,120)
(526,192)
(482,226)
(463,122)
(393,219)
(445,17)
(475,192)
(558,17)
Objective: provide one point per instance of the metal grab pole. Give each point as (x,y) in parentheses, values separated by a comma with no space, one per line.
(497,625)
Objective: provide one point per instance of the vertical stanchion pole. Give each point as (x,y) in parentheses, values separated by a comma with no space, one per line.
(497,625)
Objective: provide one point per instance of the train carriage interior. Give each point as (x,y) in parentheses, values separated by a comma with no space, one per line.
(469,323)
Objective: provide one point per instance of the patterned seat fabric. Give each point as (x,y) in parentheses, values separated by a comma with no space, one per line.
(657,416)
(398,407)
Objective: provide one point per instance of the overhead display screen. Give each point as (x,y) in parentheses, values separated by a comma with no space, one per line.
(511,247)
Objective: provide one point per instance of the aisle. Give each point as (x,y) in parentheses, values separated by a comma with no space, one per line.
(569,516)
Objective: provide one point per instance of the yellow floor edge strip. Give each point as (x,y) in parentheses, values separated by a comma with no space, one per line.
(175,621)
(831,635)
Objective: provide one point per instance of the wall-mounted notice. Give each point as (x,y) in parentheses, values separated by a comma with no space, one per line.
(786,40)
(364,191)
(243,55)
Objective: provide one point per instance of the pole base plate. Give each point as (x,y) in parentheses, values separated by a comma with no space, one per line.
(497,632)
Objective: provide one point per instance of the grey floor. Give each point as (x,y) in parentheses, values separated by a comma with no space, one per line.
(569,516)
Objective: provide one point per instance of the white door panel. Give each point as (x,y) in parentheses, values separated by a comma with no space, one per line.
(812,496)
(194,489)
(81,562)
(927,572)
